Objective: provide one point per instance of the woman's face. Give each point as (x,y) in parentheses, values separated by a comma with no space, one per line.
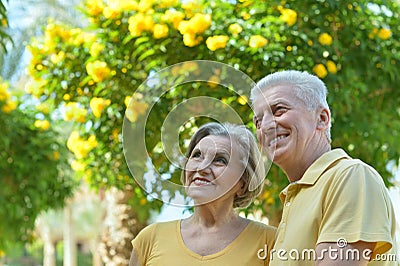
(213,170)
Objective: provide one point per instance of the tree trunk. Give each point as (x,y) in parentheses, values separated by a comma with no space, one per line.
(49,257)
(70,247)
(121,226)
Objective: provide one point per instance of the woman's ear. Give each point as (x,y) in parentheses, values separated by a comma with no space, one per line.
(324,119)
(241,190)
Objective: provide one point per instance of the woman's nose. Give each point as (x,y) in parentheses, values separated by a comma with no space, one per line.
(204,167)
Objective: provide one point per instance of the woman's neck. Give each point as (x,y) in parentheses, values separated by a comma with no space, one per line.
(212,215)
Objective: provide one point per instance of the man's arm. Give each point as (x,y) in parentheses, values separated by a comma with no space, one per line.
(354,254)
(134,261)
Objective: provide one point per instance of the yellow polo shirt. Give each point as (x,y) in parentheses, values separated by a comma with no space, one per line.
(161,244)
(340,200)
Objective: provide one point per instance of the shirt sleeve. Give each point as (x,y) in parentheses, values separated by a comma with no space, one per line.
(143,243)
(357,207)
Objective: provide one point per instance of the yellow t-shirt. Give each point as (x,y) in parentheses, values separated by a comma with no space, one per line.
(339,200)
(161,244)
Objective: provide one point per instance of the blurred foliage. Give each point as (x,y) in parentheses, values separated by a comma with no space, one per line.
(34,169)
(89,73)
(4,36)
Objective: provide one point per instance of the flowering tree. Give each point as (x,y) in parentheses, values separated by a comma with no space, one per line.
(34,170)
(4,37)
(91,74)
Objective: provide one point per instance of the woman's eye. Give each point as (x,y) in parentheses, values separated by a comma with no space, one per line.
(195,154)
(221,160)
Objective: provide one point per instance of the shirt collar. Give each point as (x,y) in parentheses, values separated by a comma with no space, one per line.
(320,165)
(317,168)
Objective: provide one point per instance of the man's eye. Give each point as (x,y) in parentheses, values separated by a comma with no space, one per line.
(257,122)
(280,110)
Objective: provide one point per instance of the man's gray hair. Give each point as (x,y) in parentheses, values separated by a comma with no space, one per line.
(307,87)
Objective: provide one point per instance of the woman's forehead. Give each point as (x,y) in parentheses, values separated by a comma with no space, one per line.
(216,141)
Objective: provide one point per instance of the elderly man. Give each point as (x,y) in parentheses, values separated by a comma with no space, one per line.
(337,210)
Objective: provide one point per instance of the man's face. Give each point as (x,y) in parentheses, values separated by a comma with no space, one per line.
(285,127)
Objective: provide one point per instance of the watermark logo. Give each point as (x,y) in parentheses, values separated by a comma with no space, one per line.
(146,103)
(341,253)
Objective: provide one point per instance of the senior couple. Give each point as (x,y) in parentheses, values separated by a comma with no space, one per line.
(336,210)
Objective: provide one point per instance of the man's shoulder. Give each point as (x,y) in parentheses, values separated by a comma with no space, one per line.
(262,226)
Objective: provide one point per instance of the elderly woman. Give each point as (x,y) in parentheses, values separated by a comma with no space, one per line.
(223,170)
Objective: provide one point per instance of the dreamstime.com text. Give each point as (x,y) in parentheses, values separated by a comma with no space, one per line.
(332,253)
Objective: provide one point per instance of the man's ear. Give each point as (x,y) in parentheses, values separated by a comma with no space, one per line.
(324,119)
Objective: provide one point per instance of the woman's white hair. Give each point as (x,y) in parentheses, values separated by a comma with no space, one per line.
(254,170)
(307,87)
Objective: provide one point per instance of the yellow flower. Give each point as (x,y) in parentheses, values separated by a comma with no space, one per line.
(384,34)
(145,5)
(191,7)
(66,97)
(97,105)
(115,134)
(243,100)
(235,29)
(325,39)
(134,109)
(216,42)
(372,34)
(4,94)
(320,70)
(56,155)
(79,146)
(199,23)
(115,7)
(245,15)
(127,100)
(73,111)
(110,12)
(160,31)
(42,124)
(77,37)
(36,87)
(174,17)
(288,15)
(42,107)
(9,106)
(77,166)
(139,23)
(98,70)
(331,66)
(213,81)
(94,7)
(257,41)
(167,3)
(96,48)
(56,58)
(143,201)
(191,40)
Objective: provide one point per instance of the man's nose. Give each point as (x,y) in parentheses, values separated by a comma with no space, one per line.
(268,123)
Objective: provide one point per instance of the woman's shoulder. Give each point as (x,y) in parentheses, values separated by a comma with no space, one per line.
(167,225)
(158,227)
